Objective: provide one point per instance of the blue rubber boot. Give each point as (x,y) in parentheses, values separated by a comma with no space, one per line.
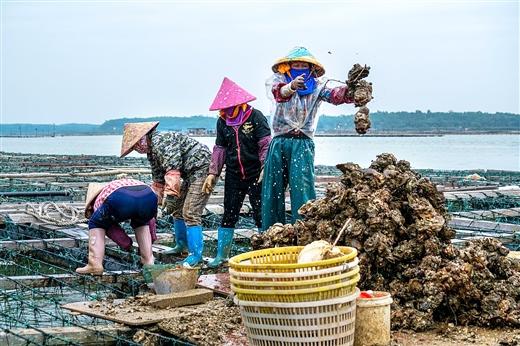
(225,240)
(195,246)
(179,228)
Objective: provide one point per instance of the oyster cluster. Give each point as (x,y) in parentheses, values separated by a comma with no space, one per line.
(361,92)
(399,225)
(362,121)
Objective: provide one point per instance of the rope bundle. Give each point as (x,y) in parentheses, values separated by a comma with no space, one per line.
(69,215)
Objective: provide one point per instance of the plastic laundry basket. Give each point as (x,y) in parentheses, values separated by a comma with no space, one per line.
(325,322)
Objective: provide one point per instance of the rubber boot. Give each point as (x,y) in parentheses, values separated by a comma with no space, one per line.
(179,228)
(225,240)
(96,252)
(195,246)
(144,240)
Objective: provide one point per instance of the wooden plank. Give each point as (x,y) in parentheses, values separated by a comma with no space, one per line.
(91,335)
(239,233)
(463,223)
(50,280)
(75,242)
(189,297)
(131,316)
(493,213)
(218,283)
(67,243)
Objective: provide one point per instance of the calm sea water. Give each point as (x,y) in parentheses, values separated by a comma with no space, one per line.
(446,152)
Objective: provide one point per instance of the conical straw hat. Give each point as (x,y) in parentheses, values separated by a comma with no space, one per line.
(133,132)
(94,189)
(300,54)
(230,94)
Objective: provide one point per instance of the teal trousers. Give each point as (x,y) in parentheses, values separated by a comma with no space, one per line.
(290,161)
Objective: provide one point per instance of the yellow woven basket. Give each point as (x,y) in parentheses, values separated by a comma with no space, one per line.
(291,283)
(285,260)
(297,295)
(274,275)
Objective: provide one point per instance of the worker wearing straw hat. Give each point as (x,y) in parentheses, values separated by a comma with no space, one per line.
(297,91)
(179,167)
(243,136)
(109,204)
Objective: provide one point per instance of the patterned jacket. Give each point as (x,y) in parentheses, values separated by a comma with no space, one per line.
(175,151)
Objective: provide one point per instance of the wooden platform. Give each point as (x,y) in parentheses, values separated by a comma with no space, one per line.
(14,282)
(131,316)
(88,335)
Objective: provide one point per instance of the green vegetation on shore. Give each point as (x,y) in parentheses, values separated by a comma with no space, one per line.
(382,122)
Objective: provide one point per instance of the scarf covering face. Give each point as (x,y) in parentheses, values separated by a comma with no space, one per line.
(142,146)
(237,115)
(310,81)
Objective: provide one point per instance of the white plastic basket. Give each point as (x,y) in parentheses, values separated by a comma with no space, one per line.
(325,322)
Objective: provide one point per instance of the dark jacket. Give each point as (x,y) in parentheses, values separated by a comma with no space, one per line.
(241,143)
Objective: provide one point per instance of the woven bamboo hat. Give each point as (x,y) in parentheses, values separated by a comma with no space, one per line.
(133,132)
(300,54)
(94,189)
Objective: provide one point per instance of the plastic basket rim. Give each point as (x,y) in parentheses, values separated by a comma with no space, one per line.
(234,262)
(284,275)
(313,290)
(350,273)
(338,300)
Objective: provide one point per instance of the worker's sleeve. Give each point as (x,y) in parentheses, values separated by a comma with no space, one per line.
(282,92)
(262,134)
(157,171)
(152,224)
(336,96)
(263,146)
(173,183)
(218,157)
(118,235)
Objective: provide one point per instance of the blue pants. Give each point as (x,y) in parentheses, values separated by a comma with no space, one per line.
(290,161)
(135,203)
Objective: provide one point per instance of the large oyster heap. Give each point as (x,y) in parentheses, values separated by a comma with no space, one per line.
(399,224)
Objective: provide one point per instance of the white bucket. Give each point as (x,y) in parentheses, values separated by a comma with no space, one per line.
(373,320)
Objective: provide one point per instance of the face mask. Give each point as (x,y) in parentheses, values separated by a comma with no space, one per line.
(142,145)
(310,81)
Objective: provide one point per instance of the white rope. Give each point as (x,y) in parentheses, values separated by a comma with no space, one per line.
(68,214)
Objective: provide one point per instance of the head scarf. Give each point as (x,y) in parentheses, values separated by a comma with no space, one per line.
(237,115)
(142,146)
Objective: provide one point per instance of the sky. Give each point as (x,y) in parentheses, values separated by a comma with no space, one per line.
(90,61)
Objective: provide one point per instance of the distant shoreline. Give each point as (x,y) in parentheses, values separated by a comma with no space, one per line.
(349,134)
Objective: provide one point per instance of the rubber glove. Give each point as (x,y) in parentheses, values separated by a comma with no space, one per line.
(209,184)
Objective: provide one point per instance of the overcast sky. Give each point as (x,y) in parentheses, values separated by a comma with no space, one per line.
(89,61)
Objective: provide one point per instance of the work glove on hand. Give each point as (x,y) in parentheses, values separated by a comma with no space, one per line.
(209,184)
(173,183)
(298,82)
(169,204)
(261,176)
